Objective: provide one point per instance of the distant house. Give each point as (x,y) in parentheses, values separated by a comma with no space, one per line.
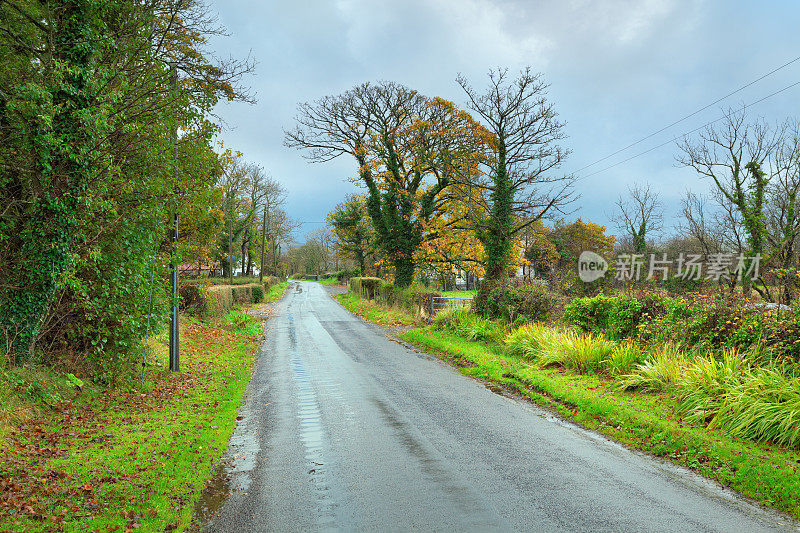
(200,269)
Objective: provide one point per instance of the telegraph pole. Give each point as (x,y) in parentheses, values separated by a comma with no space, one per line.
(263,241)
(174,355)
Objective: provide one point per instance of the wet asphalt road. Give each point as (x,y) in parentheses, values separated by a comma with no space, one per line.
(345,429)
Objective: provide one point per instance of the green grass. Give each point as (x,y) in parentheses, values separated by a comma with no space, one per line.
(239,322)
(275,292)
(661,370)
(374,312)
(459,294)
(133,456)
(651,422)
(328,281)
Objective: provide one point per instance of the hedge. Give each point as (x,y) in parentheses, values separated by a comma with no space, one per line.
(208,300)
(240,280)
(417,299)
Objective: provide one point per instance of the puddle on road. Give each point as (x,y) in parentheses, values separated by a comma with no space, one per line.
(214,494)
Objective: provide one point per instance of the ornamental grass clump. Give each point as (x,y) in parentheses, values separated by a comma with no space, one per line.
(537,343)
(661,371)
(451,318)
(477,328)
(586,352)
(707,380)
(763,405)
(526,340)
(467,324)
(624,358)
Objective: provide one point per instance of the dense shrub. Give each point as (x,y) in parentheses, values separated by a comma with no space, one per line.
(343,276)
(509,301)
(618,317)
(366,287)
(415,298)
(257,293)
(715,322)
(217,300)
(236,280)
(588,314)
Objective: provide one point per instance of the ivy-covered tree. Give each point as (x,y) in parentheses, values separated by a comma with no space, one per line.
(520,178)
(408,148)
(639,216)
(51,119)
(89,108)
(736,159)
(353,228)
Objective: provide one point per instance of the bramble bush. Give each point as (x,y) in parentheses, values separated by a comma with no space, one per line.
(512,302)
(617,317)
(707,322)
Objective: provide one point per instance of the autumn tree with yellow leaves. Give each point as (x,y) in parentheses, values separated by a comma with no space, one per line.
(409,150)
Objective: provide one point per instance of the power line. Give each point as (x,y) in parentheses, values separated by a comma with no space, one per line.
(690,115)
(690,132)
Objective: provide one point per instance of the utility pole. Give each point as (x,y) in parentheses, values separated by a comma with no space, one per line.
(263,241)
(174,355)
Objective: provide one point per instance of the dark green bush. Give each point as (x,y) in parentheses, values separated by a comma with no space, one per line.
(343,276)
(257,293)
(589,314)
(509,301)
(617,317)
(707,322)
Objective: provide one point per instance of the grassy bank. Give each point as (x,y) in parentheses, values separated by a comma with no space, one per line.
(131,457)
(650,422)
(276,291)
(374,312)
(459,294)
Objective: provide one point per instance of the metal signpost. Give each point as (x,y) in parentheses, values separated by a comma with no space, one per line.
(174,355)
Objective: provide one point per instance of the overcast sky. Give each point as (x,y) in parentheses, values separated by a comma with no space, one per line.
(618,69)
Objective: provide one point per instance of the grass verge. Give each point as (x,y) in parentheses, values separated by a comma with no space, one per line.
(275,292)
(120,460)
(646,421)
(459,294)
(374,312)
